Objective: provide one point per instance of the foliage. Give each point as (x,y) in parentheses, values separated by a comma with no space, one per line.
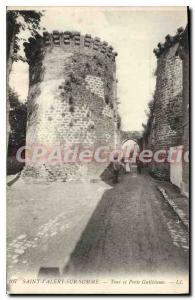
(20,20)
(118,121)
(149,113)
(157,173)
(17,119)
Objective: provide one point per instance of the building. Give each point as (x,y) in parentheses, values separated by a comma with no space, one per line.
(72,99)
(168,124)
(183,52)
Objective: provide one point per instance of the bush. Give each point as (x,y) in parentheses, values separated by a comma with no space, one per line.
(157,173)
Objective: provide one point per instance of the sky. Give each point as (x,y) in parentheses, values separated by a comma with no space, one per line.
(133,32)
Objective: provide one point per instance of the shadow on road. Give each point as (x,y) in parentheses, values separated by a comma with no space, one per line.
(88,253)
(127,233)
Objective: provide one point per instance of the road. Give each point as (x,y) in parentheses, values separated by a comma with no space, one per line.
(94,228)
(132,230)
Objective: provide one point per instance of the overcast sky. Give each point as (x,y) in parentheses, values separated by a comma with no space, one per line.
(133,32)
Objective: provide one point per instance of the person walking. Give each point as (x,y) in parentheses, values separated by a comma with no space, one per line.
(139,165)
(116,167)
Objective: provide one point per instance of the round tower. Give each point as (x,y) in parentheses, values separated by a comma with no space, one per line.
(71,100)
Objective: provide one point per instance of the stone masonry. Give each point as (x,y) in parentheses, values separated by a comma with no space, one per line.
(72,99)
(167,112)
(183,52)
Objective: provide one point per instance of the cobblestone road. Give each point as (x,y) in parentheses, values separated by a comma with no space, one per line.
(132,230)
(94,228)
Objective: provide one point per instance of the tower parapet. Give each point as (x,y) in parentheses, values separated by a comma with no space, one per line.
(70,40)
(169,42)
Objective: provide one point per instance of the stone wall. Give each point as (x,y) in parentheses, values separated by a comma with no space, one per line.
(165,124)
(183,52)
(72,99)
(130,135)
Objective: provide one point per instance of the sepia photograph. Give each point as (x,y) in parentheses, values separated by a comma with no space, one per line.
(97,122)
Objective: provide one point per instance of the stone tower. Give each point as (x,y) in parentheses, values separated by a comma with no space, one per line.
(184,53)
(166,125)
(72,99)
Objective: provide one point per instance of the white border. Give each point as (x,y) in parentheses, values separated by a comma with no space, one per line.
(97,3)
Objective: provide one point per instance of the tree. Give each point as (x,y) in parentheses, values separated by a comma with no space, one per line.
(18,120)
(17,135)
(18,20)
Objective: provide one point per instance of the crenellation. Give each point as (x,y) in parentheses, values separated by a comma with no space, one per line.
(67,40)
(169,42)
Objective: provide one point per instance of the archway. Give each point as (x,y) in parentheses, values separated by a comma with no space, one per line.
(131,146)
(131,151)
